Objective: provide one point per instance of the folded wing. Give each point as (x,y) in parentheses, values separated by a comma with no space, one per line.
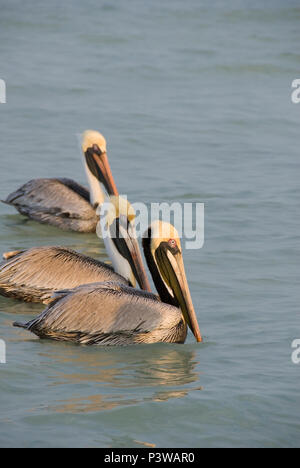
(108,314)
(60,202)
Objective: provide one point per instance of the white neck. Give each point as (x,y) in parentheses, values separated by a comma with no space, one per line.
(119,263)
(97,196)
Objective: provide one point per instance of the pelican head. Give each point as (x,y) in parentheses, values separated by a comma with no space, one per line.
(163,253)
(117,220)
(97,166)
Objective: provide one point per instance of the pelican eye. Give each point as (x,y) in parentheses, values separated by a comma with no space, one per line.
(96,149)
(172,245)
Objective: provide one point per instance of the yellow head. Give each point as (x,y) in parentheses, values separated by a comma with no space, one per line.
(92,138)
(162,232)
(163,252)
(97,166)
(117,207)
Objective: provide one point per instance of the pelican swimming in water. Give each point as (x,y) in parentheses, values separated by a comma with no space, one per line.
(34,275)
(64,203)
(113,314)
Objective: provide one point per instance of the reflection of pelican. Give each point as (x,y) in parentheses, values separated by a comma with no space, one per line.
(64,203)
(113,314)
(33,275)
(166,373)
(165,366)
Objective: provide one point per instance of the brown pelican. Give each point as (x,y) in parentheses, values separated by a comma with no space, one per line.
(64,203)
(114,314)
(34,275)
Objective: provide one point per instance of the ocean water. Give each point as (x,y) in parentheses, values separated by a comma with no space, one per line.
(194,99)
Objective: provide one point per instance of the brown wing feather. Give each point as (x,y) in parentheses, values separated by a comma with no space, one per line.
(60,202)
(108,314)
(34,275)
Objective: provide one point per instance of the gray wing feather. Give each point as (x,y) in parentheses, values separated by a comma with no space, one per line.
(77,188)
(34,275)
(60,202)
(107,314)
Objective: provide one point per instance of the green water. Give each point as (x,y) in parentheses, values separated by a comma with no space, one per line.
(194,99)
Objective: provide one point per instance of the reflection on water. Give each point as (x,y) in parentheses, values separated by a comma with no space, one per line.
(25,231)
(121,377)
(20,308)
(89,404)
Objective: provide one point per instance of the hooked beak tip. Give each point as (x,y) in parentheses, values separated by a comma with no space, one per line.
(197,335)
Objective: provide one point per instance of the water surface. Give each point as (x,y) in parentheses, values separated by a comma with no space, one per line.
(194,99)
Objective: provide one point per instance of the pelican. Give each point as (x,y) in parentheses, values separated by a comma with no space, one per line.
(64,203)
(34,275)
(113,314)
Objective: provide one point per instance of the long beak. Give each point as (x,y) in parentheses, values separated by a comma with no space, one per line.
(139,269)
(98,164)
(172,268)
(128,246)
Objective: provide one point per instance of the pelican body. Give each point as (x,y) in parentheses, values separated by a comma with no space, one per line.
(34,275)
(127,316)
(113,314)
(64,203)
